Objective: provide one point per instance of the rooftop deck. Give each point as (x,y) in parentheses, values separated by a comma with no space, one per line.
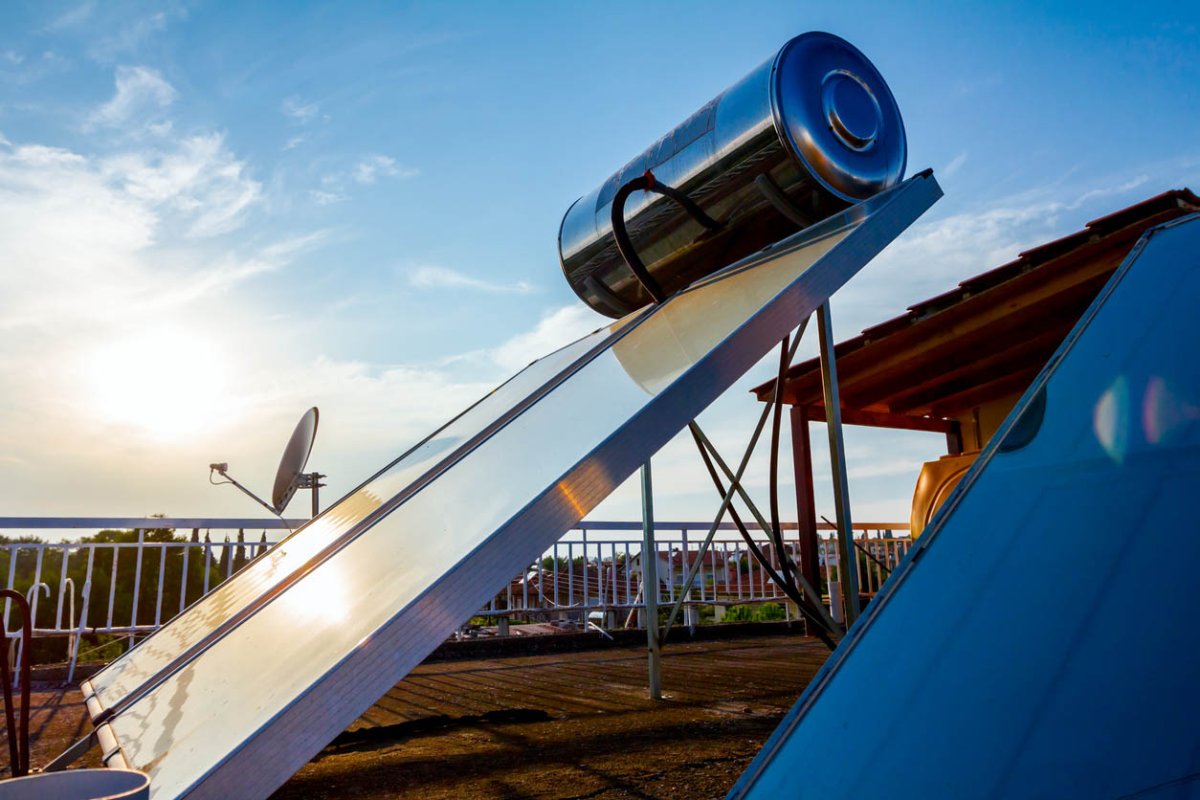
(562,725)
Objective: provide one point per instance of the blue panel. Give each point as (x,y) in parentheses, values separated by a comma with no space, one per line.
(1042,641)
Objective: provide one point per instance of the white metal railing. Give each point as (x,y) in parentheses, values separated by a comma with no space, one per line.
(121,588)
(130,588)
(598,567)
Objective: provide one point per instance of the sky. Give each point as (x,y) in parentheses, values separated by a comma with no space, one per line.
(215,215)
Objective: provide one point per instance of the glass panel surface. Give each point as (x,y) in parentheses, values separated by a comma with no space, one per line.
(1044,644)
(131,670)
(184,726)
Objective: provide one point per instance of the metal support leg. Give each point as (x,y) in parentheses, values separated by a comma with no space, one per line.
(650,585)
(728,498)
(810,593)
(847,558)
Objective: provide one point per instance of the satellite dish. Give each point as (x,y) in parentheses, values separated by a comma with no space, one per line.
(295,459)
(291,475)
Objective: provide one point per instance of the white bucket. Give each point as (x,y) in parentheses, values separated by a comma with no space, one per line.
(78,784)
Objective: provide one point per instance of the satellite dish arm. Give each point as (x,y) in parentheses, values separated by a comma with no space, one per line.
(220,469)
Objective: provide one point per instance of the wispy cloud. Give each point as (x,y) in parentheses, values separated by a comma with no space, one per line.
(83,227)
(128,37)
(234,269)
(19,68)
(371,168)
(141,92)
(954,166)
(365,171)
(326,198)
(199,180)
(433,277)
(298,110)
(555,329)
(73,17)
(287,249)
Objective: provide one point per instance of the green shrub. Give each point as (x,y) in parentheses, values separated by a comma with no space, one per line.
(766,612)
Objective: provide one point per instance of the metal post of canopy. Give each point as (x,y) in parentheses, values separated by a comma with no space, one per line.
(650,585)
(847,560)
(806,509)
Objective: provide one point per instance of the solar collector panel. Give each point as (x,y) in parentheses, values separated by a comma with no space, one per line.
(1040,640)
(246,710)
(132,670)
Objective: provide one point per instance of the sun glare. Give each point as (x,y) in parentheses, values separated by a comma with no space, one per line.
(170,385)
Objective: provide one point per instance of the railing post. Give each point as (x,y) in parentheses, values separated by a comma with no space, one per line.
(137,582)
(13,552)
(83,614)
(586,601)
(64,568)
(650,585)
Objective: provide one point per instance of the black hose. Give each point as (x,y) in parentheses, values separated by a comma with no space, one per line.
(648,183)
(864,550)
(785,559)
(790,590)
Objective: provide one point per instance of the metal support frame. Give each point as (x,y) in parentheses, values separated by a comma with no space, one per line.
(312,480)
(847,559)
(808,584)
(807,588)
(734,487)
(650,586)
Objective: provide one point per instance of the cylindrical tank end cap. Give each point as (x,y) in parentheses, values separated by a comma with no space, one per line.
(851,109)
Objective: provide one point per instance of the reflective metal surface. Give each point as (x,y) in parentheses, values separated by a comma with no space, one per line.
(817,119)
(1038,640)
(275,667)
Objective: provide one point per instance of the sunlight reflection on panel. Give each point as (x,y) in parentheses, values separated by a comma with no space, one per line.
(324,596)
(1110,419)
(1164,411)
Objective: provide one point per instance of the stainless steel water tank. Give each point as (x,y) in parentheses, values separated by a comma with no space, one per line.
(817,119)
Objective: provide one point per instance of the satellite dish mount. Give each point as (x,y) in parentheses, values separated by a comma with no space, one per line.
(291,475)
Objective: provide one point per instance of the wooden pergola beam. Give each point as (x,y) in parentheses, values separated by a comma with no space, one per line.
(976,322)
(1024,353)
(883,419)
(977,395)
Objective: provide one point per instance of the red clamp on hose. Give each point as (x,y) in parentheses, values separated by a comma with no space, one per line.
(650,181)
